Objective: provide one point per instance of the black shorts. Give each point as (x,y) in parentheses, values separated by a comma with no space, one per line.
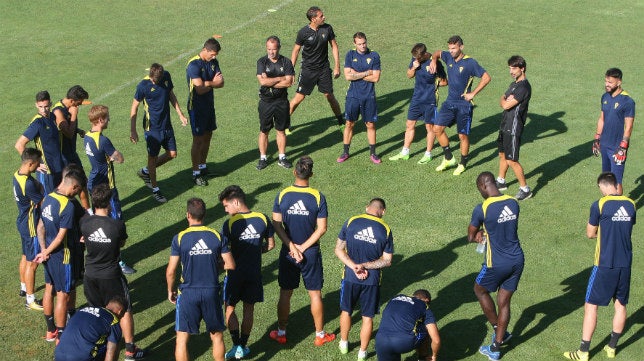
(98,292)
(239,286)
(509,145)
(274,113)
(308,79)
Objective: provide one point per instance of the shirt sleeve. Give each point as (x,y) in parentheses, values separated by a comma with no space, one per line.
(288,67)
(389,245)
(139,93)
(323,213)
(477,216)
(106,146)
(175,250)
(193,70)
(343,231)
(260,66)
(32,130)
(375,64)
(33,191)
(331,33)
(429,317)
(270,231)
(115,334)
(593,219)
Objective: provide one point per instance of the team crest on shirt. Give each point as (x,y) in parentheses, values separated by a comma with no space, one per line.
(212,67)
(616,105)
(460,69)
(368,60)
(152,89)
(323,36)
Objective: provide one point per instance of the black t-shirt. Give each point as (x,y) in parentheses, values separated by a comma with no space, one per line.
(315,46)
(103,237)
(514,118)
(281,67)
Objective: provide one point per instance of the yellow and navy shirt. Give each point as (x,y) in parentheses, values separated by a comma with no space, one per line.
(156,102)
(615,217)
(245,234)
(367,237)
(300,208)
(57,212)
(87,333)
(44,132)
(615,109)
(426,83)
(460,75)
(370,60)
(406,316)
(198,248)
(28,194)
(499,217)
(198,68)
(99,150)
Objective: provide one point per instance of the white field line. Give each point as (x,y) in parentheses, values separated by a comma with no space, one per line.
(184,55)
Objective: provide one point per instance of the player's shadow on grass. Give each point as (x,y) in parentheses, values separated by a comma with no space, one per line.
(555,167)
(537,127)
(419,267)
(637,194)
(538,317)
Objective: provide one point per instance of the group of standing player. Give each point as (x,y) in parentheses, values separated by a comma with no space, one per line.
(51,226)
(72,240)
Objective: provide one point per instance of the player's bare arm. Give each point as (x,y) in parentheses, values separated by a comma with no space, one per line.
(175,104)
(170,275)
(320,230)
(229,261)
(508,103)
(217,81)
(281,233)
(117,157)
(411,72)
(432,63)
(336,58)
(382,262)
(485,80)
(295,53)
(134,136)
(591,231)
(65,127)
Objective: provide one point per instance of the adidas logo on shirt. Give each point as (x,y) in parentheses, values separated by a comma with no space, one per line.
(506,215)
(621,215)
(88,150)
(366,235)
(46,213)
(200,248)
(298,208)
(99,236)
(250,233)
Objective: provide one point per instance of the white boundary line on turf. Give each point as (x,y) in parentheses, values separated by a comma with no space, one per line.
(183,55)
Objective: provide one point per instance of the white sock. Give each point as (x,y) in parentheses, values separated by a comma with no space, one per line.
(428,154)
(262,156)
(155,189)
(525,189)
(404,151)
(320,334)
(500,180)
(202,166)
(344,343)
(30,298)
(23,286)
(281,332)
(282,155)
(362,353)
(195,173)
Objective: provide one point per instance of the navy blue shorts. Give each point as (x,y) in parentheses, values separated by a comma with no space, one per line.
(274,113)
(506,277)
(202,122)
(308,79)
(30,246)
(367,295)
(422,111)
(390,348)
(59,275)
(310,268)
(242,287)
(115,205)
(354,107)
(459,114)
(49,181)
(609,164)
(196,304)
(608,283)
(156,139)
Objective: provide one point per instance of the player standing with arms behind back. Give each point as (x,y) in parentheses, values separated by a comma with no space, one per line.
(611,221)
(614,126)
